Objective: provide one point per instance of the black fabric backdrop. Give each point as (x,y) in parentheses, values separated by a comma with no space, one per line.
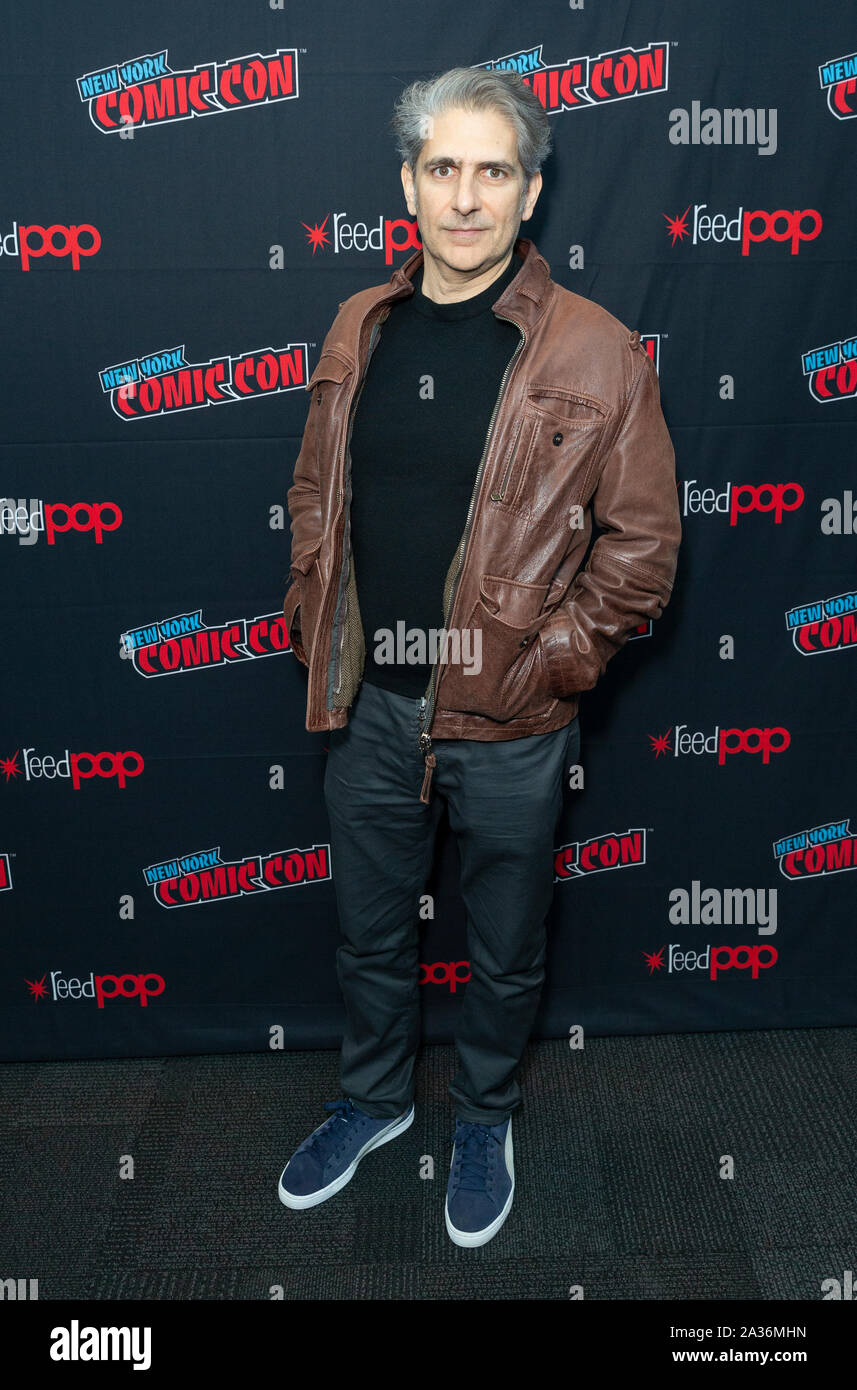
(192,238)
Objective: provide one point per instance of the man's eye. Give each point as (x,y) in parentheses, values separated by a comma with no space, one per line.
(439,169)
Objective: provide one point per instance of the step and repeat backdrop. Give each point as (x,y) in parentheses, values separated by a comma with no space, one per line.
(188,193)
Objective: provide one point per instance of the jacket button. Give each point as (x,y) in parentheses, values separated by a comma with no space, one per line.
(557,439)
(318,397)
(634,338)
(525,641)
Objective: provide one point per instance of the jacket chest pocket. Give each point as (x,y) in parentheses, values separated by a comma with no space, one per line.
(329,368)
(328,386)
(553,445)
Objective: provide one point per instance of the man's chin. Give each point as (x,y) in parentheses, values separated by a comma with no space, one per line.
(463,254)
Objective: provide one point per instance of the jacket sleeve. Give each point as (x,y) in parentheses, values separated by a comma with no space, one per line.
(304,505)
(629,575)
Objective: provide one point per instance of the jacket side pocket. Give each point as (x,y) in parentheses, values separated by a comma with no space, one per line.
(301,604)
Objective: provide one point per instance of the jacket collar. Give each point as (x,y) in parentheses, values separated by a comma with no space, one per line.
(523,299)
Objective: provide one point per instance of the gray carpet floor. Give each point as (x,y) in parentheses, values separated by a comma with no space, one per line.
(619,1151)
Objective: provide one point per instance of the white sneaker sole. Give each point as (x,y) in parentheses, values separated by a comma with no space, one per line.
(473,1238)
(312,1199)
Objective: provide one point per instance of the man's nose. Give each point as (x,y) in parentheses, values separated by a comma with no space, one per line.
(467,193)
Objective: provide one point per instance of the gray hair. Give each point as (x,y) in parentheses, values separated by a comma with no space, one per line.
(474,89)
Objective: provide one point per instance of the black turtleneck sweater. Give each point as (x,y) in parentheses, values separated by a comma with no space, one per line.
(418,434)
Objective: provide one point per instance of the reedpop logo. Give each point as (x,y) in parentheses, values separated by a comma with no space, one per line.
(724,742)
(98,987)
(747,227)
(76,767)
(57,241)
(714,959)
(451,973)
(51,519)
(388,234)
(742,499)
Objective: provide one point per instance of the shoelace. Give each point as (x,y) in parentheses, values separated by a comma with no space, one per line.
(327,1140)
(472,1150)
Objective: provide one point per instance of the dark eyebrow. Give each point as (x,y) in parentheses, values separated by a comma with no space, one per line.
(486,163)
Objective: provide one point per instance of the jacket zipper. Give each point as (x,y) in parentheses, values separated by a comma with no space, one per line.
(376,329)
(501,495)
(427,701)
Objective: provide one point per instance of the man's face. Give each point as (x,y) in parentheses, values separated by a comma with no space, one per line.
(466,194)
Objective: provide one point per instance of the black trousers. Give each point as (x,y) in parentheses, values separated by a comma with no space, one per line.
(504,801)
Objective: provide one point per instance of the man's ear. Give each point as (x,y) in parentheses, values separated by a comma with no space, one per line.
(408,186)
(532,196)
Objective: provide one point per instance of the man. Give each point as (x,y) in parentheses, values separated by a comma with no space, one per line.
(499,413)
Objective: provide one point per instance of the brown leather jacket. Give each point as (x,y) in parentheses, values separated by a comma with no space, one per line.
(576,432)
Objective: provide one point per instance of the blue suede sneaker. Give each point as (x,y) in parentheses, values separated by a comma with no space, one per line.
(328,1159)
(481,1181)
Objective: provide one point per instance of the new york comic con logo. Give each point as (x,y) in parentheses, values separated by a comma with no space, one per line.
(185,643)
(831,371)
(825,849)
(203,877)
(827,625)
(839,79)
(164,382)
(615,76)
(598,854)
(146,91)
